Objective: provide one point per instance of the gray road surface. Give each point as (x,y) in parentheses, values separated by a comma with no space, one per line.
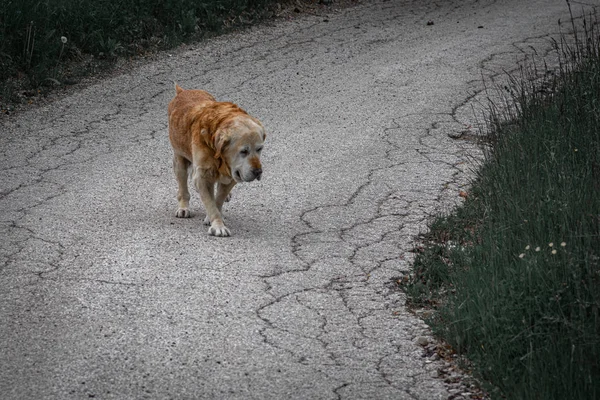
(105,294)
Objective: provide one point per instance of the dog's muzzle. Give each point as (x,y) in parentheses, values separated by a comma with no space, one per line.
(257,172)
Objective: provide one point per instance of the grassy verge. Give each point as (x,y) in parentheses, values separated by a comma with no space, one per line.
(44,44)
(514,274)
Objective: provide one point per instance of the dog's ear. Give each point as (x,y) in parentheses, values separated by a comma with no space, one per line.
(262,128)
(221,142)
(178,89)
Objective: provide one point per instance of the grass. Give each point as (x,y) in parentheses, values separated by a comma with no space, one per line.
(41,40)
(514,273)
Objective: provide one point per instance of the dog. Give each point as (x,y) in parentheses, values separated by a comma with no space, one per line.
(219,145)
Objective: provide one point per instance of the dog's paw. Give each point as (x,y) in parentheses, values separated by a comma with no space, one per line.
(228,198)
(183,213)
(219,230)
(206,220)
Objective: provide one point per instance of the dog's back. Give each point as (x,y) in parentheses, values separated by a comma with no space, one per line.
(184,100)
(181,116)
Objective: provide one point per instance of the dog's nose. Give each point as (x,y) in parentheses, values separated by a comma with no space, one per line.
(257,173)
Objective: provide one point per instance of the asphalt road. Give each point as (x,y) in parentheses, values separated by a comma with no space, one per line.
(105,294)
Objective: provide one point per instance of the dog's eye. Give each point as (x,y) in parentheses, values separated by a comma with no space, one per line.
(259,149)
(244,152)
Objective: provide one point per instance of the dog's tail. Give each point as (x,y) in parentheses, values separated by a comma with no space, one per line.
(178,88)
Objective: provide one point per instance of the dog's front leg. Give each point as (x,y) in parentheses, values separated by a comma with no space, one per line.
(223,195)
(207,195)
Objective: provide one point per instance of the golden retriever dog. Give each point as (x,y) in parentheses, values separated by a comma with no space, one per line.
(218,144)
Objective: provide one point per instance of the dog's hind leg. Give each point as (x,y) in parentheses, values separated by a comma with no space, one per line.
(180,167)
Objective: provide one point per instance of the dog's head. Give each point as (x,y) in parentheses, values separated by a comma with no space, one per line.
(240,145)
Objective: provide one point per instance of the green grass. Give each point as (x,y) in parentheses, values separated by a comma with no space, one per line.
(514,273)
(32,31)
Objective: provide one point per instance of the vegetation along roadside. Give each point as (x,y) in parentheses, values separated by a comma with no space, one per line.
(513,275)
(45,45)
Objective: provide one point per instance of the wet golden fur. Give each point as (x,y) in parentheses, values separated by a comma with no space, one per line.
(221,145)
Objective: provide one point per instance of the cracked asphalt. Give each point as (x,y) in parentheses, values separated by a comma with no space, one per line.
(105,294)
